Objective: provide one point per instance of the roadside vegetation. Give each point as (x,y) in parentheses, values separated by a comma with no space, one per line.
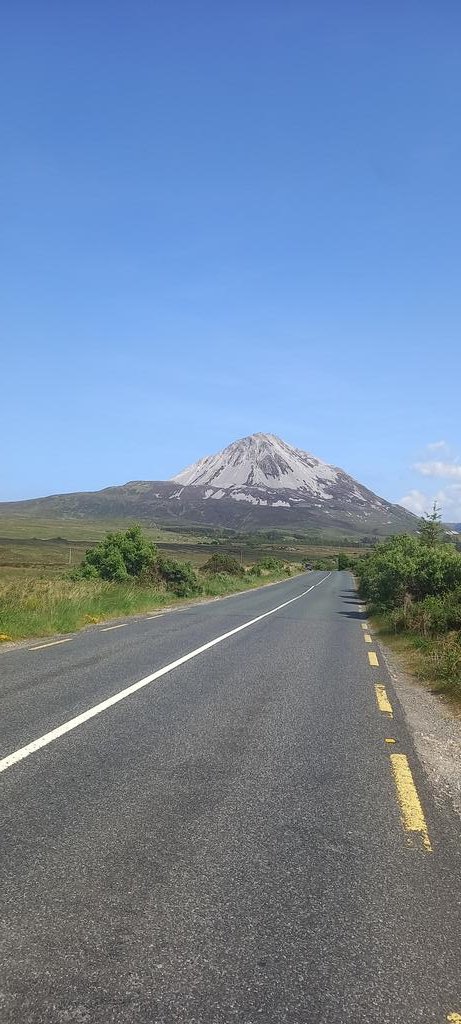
(32,546)
(123,574)
(412,585)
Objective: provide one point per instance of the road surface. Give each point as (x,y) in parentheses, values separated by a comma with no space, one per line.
(232,839)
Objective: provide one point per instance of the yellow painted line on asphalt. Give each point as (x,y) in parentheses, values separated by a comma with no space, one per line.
(455,1018)
(367,638)
(107,628)
(373,659)
(382,700)
(52,643)
(389,741)
(365,625)
(413,819)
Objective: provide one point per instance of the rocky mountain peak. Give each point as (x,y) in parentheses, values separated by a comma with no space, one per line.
(256,482)
(259,461)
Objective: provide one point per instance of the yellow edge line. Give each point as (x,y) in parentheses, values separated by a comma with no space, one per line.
(373,659)
(455,1018)
(382,699)
(367,638)
(413,819)
(364,625)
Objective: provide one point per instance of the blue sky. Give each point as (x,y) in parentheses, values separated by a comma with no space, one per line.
(226,218)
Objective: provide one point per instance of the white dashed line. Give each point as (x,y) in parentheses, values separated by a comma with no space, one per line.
(52,643)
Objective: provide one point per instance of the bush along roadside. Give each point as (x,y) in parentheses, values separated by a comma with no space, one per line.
(122,575)
(412,584)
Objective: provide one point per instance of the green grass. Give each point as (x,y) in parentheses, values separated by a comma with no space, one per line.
(44,607)
(83,528)
(47,548)
(36,554)
(413,585)
(436,660)
(27,528)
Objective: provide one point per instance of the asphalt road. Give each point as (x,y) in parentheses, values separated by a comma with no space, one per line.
(233,841)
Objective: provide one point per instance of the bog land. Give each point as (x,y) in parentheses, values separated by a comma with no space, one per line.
(50,547)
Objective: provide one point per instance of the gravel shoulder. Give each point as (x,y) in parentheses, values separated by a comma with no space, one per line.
(436,728)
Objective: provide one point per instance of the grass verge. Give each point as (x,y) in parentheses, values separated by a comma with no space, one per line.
(435,660)
(37,607)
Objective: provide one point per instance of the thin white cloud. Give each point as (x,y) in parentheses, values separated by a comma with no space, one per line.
(440,469)
(415,501)
(448,499)
(436,445)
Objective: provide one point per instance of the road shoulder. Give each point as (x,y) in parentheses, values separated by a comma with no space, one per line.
(435,729)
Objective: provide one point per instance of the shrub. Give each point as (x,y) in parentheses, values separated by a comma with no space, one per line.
(118,557)
(430,617)
(179,577)
(324,564)
(346,561)
(220,562)
(403,566)
(442,662)
(270,564)
(416,581)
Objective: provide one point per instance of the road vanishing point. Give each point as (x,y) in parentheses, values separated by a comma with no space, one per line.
(217,816)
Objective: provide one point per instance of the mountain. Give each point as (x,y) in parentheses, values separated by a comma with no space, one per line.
(262,470)
(260,463)
(255,483)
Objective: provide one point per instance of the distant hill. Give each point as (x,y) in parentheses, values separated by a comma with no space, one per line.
(257,482)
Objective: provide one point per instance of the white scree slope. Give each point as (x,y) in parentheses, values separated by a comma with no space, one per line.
(262,469)
(260,461)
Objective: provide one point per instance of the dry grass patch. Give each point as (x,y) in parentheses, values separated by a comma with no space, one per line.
(44,607)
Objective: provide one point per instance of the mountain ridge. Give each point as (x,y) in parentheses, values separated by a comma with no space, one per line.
(262,469)
(256,482)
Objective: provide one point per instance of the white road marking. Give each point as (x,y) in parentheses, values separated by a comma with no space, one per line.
(73,723)
(52,643)
(107,628)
